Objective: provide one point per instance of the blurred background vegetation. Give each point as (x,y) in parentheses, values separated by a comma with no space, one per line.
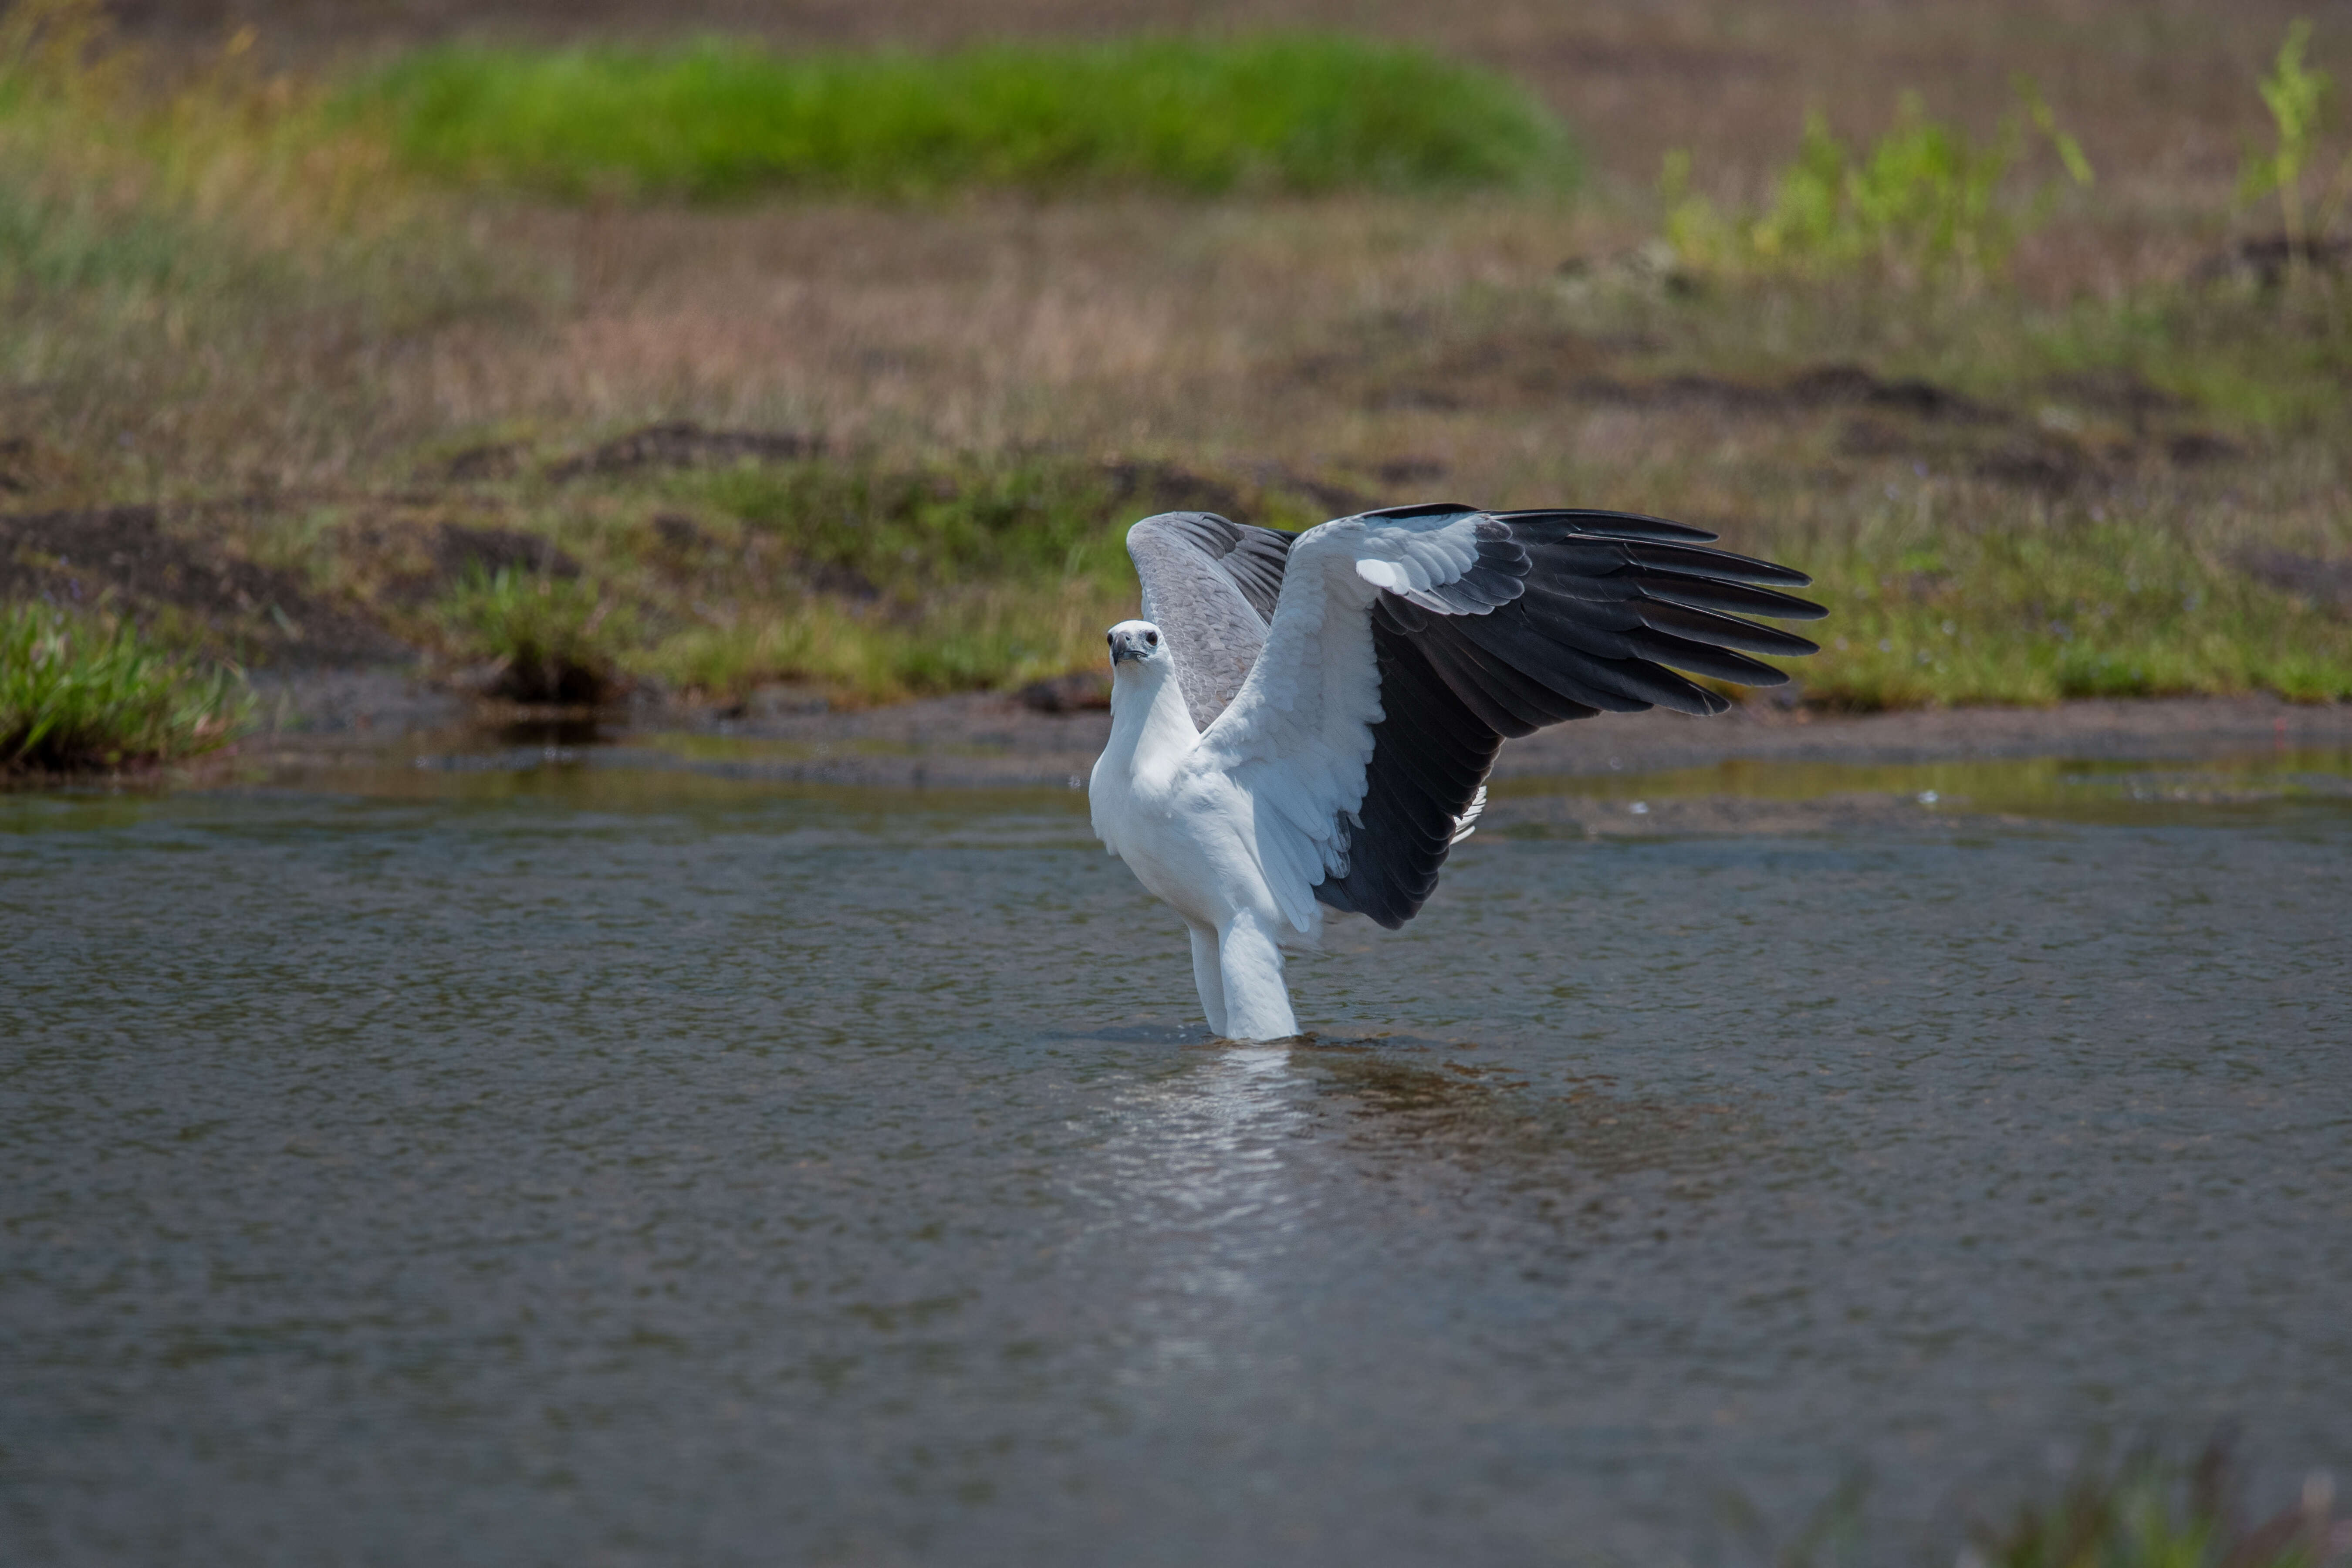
(722,119)
(699,349)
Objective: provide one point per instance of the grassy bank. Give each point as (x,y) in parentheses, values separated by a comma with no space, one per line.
(720,118)
(2089,609)
(869,577)
(80,693)
(2036,438)
(874,578)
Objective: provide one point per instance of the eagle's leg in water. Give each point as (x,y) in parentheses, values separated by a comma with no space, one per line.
(1208,979)
(1257,1003)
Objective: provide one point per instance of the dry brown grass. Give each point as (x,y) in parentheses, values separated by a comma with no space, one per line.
(1124,322)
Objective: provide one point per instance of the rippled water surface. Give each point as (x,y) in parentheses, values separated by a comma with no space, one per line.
(583,1163)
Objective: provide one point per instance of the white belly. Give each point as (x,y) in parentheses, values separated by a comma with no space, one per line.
(1190,845)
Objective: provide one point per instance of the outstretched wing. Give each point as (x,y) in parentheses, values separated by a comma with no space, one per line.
(1210,586)
(1407,643)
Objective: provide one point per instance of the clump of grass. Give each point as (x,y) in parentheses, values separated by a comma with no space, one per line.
(548,639)
(1923,202)
(78,694)
(2145,1514)
(720,119)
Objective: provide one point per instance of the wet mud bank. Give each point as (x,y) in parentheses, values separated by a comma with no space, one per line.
(986,741)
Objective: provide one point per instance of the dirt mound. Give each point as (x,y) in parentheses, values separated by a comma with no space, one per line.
(2326,583)
(2124,394)
(28,468)
(1809,391)
(684,445)
(495,460)
(2265,261)
(1140,487)
(126,557)
(403,557)
(458,549)
(2103,425)
(1143,487)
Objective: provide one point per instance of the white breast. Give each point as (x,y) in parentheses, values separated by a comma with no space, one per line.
(1187,830)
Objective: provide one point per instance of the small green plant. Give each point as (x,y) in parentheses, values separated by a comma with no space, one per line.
(80,693)
(721,119)
(1923,202)
(2145,1514)
(2296,96)
(548,639)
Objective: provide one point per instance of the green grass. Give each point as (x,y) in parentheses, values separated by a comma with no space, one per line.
(78,694)
(984,638)
(2145,1513)
(2033,615)
(879,580)
(722,119)
(1924,200)
(876,581)
(2142,1511)
(548,639)
(902,532)
(2026,616)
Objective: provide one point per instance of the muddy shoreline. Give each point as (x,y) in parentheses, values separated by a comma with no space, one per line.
(984,741)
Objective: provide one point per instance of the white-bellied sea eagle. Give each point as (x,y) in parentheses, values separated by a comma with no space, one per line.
(1306,721)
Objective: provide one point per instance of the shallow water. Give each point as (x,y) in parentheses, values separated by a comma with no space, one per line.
(604,1159)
